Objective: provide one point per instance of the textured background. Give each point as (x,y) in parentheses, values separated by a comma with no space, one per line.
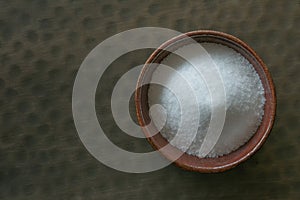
(42,46)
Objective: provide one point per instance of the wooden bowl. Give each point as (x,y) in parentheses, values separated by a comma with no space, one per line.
(194,163)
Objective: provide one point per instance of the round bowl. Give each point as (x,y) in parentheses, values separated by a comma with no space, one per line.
(194,163)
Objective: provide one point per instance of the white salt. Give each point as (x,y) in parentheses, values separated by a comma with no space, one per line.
(244,100)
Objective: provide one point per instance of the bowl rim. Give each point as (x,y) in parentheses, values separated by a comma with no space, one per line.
(212,165)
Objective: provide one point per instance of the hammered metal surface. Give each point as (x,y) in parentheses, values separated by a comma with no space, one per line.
(42,45)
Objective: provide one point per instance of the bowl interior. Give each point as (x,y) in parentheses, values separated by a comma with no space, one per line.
(192,162)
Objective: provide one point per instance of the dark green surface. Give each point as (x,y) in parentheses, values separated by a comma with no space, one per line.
(42,46)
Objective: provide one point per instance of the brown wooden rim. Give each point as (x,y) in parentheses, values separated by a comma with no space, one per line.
(226,162)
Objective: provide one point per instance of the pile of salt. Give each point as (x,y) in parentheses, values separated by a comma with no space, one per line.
(244,100)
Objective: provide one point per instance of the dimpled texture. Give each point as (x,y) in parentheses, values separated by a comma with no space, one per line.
(43,43)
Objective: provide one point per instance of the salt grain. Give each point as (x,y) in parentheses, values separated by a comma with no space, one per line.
(244,100)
